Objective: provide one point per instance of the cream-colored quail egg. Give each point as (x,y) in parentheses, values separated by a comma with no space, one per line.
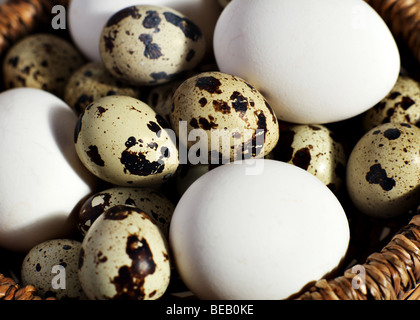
(41,61)
(189,173)
(52,267)
(123,141)
(383,170)
(402,104)
(124,255)
(91,82)
(230,118)
(315,149)
(148,45)
(152,202)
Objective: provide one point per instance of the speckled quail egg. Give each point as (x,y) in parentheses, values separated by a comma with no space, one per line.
(383,170)
(160,98)
(91,82)
(229,116)
(52,267)
(402,104)
(41,61)
(123,141)
(148,45)
(124,255)
(315,149)
(152,202)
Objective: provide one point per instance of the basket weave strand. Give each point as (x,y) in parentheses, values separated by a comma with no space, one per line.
(392,274)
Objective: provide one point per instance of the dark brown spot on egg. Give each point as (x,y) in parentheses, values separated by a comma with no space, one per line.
(152,19)
(209,84)
(206,124)
(91,213)
(302,158)
(393,95)
(406,102)
(130,280)
(202,102)
(109,40)
(153,126)
(88,73)
(239,102)
(137,164)
(122,14)
(194,123)
(118,212)
(221,106)
(100,111)
(13,61)
(94,156)
(152,50)
(38,267)
(284,150)
(392,134)
(377,175)
(189,28)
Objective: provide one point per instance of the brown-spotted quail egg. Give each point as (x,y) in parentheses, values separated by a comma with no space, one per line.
(123,141)
(152,202)
(383,170)
(124,255)
(230,118)
(52,268)
(148,45)
(314,149)
(402,104)
(91,82)
(41,61)
(160,98)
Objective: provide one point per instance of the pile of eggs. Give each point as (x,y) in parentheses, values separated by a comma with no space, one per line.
(112,170)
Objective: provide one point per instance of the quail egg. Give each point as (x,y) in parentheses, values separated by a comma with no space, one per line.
(41,61)
(402,104)
(52,268)
(315,149)
(91,82)
(121,140)
(383,170)
(214,106)
(148,45)
(152,202)
(124,255)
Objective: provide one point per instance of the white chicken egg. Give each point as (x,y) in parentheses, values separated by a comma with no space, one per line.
(41,177)
(256,232)
(92,15)
(315,61)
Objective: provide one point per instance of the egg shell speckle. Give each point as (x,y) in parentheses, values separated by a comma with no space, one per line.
(402,104)
(383,174)
(41,61)
(148,45)
(314,148)
(225,105)
(123,141)
(152,202)
(91,82)
(52,268)
(124,256)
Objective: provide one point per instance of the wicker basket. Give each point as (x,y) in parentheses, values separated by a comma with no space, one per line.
(383,260)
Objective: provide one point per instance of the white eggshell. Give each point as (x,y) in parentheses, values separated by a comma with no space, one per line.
(256,232)
(92,15)
(41,177)
(315,61)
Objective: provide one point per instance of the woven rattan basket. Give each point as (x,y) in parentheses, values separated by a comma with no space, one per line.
(387,251)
